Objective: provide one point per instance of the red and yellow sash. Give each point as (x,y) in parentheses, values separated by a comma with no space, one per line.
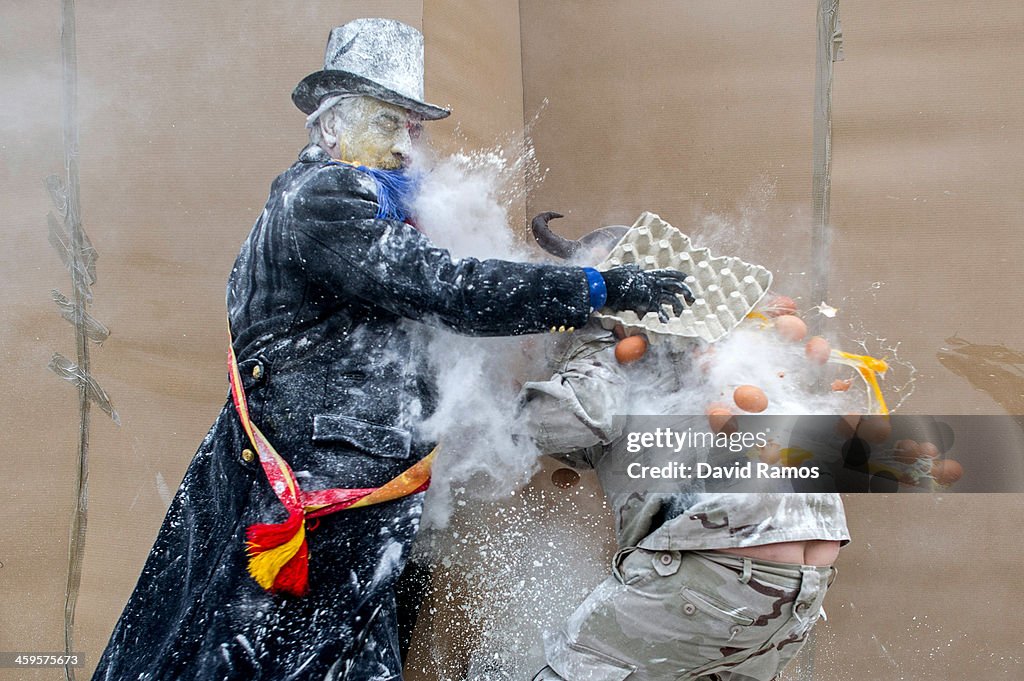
(278,553)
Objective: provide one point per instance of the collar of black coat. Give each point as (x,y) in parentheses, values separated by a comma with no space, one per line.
(314,153)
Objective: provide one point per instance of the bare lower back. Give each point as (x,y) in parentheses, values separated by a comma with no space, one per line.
(814,552)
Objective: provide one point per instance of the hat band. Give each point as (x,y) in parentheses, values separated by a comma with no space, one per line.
(326,104)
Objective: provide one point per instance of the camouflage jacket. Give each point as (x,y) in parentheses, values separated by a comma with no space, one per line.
(579,416)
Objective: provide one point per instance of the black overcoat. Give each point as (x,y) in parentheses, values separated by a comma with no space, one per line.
(327,305)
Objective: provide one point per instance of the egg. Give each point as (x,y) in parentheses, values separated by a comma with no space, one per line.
(929,449)
(847,425)
(750,398)
(907,451)
(770,453)
(630,349)
(947,471)
(780,305)
(841,385)
(564,478)
(721,421)
(791,327)
(874,429)
(704,357)
(716,405)
(818,350)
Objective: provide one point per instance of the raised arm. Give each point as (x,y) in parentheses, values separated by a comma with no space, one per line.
(345,249)
(582,405)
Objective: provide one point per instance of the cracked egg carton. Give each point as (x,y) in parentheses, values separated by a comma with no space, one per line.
(726,288)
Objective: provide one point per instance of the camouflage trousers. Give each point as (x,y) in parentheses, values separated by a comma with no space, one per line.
(675,616)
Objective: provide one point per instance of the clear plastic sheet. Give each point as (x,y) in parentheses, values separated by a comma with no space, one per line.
(700,111)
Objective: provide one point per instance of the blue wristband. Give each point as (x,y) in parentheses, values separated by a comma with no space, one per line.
(598,291)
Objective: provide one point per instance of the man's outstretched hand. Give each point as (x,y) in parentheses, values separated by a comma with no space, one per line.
(643,291)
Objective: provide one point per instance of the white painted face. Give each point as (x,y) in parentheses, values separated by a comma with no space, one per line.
(370,132)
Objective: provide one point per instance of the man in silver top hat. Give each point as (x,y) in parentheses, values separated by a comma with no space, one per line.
(261,570)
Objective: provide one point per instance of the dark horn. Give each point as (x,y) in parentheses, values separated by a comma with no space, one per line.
(548,240)
(604,238)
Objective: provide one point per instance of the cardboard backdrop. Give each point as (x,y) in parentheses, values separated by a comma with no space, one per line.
(700,111)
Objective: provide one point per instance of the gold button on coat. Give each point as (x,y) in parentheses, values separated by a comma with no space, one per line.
(248,455)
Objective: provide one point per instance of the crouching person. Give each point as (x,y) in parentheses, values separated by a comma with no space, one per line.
(705,585)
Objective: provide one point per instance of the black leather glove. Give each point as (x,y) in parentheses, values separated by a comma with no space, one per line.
(643,291)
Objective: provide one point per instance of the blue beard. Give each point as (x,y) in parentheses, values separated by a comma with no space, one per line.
(395,191)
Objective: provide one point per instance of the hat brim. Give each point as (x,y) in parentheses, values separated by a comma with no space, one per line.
(314,87)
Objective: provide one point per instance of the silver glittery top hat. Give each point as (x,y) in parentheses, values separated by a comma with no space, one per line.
(380,58)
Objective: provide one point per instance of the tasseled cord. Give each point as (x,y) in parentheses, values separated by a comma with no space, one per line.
(279,556)
(278,553)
